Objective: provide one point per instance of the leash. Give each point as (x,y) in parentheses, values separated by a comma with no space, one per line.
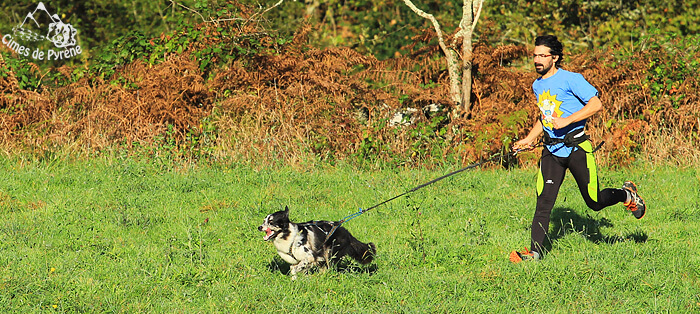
(474,165)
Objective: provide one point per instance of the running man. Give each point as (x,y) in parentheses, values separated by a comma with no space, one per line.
(566,101)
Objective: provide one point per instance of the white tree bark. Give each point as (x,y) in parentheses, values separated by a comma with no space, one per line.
(460,88)
(466,27)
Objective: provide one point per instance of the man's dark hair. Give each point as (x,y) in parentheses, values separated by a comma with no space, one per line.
(551,42)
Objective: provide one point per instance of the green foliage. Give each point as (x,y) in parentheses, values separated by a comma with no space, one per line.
(150,32)
(428,138)
(27,77)
(122,51)
(372,144)
(99,22)
(211,45)
(587,25)
(426,141)
(674,61)
(198,145)
(381,28)
(512,123)
(30,75)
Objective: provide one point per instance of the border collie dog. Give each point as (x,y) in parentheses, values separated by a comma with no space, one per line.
(313,243)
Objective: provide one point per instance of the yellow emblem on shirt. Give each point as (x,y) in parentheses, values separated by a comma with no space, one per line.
(549,105)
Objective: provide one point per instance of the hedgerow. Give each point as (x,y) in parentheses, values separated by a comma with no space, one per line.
(229,88)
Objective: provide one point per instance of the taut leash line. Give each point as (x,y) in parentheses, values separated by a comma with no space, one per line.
(474,165)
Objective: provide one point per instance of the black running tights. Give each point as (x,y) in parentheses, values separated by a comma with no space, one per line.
(582,166)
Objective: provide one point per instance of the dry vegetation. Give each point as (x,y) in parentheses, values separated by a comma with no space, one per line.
(303,103)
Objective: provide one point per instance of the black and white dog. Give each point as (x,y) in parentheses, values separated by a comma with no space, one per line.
(313,243)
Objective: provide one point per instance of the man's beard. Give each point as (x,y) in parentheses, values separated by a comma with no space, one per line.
(544,69)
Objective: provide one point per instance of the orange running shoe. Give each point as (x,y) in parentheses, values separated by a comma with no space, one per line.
(526,255)
(636,203)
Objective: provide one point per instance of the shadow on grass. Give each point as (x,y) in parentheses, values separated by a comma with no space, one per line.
(344,266)
(565,221)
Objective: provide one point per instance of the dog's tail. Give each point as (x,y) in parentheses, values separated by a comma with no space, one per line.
(362,252)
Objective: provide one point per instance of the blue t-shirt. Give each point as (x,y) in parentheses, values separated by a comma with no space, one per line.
(561,95)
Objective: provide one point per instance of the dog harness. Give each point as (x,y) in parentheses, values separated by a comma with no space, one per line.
(290,252)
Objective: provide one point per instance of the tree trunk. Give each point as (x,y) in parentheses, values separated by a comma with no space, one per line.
(466,26)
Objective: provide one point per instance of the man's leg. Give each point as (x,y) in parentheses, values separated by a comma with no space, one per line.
(583,167)
(549,181)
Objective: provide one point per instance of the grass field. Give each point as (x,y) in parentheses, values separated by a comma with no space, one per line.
(120,235)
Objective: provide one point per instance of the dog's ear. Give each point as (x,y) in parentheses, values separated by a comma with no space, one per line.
(286,210)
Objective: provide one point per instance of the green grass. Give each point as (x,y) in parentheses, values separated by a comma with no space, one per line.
(130,236)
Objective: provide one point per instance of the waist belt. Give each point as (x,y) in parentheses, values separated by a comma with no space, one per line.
(570,139)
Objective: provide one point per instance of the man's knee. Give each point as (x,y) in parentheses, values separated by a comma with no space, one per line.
(594,205)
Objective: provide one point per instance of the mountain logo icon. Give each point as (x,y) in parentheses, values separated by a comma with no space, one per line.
(41,22)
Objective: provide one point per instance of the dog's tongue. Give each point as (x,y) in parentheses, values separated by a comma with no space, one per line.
(268,234)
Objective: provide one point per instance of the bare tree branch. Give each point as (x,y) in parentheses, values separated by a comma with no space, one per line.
(268,9)
(185,7)
(211,20)
(480,3)
(263,12)
(452,68)
(432,19)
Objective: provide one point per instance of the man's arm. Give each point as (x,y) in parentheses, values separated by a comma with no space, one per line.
(592,107)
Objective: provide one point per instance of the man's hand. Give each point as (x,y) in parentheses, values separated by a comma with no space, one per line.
(524,144)
(560,123)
